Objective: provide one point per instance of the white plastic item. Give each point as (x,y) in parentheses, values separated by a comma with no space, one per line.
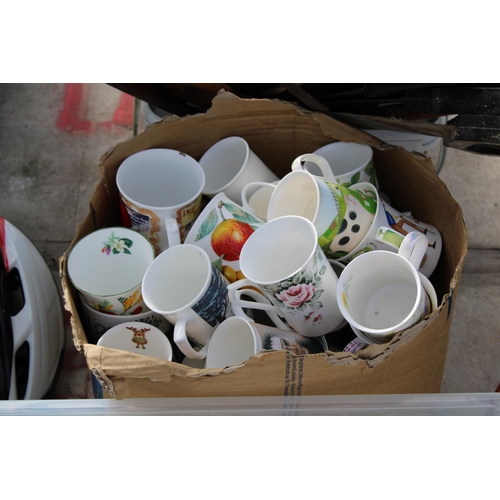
(32,330)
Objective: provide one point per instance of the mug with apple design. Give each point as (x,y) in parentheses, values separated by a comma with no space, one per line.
(221,230)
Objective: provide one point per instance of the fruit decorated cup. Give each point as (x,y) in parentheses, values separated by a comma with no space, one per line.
(221,230)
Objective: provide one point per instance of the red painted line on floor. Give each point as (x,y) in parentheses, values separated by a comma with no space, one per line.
(73,117)
(124,113)
(70,118)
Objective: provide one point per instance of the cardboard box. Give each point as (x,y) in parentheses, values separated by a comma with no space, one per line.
(278,132)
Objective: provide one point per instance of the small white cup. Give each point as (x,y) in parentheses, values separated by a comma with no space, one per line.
(229,165)
(161,194)
(138,338)
(107,268)
(283,259)
(237,339)
(183,285)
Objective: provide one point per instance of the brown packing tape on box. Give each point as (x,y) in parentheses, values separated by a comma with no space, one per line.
(278,132)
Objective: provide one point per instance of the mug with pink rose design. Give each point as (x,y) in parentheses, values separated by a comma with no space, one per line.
(283,259)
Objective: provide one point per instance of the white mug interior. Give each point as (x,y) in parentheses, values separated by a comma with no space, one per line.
(160,178)
(269,257)
(379,292)
(259,200)
(296,194)
(233,342)
(176,279)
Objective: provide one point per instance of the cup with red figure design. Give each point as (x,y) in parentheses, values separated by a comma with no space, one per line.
(138,338)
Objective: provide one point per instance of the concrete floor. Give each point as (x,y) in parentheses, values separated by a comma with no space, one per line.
(51,139)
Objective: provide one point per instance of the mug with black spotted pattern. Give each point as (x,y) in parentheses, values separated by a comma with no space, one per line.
(341,215)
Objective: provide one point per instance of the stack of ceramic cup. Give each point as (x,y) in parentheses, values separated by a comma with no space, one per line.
(238,261)
(107,268)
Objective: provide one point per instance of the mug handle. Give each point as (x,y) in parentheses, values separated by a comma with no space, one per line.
(250,185)
(173,233)
(236,300)
(182,342)
(238,311)
(412,246)
(324,166)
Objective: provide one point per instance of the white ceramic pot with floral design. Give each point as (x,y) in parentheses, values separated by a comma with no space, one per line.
(107,268)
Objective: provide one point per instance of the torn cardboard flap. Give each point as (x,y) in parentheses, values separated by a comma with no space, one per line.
(278,132)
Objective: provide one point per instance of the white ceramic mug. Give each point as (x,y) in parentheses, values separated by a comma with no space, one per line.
(342,216)
(367,338)
(237,339)
(97,323)
(283,260)
(138,338)
(183,285)
(255,197)
(107,268)
(221,230)
(381,293)
(229,165)
(160,193)
(348,163)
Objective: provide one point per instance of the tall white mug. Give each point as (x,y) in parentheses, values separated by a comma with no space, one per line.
(160,193)
(283,259)
(183,285)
